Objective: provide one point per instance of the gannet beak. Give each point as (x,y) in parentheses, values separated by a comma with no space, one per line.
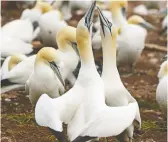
(57,72)
(148,26)
(89,15)
(74,46)
(104,22)
(165,58)
(123,10)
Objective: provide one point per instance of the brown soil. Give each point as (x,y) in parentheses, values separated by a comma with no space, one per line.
(18,124)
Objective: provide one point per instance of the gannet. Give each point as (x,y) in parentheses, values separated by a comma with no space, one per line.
(66,41)
(116,94)
(50,23)
(19,69)
(94,118)
(161,91)
(11,62)
(164,25)
(33,15)
(46,76)
(53,112)
(132,37)
(11,46)
(15,29)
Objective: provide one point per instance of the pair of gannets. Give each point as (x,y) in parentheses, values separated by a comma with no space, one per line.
(51,63)
(83,107)
(161,92)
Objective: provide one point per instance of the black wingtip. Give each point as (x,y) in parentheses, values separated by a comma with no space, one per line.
(83,139)
(6,82)
(59,135)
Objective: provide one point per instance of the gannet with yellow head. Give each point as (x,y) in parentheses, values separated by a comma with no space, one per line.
(66,40)
(116,94)
(132,36)
(19,69)
(161,91)
(46,77)
(10,62)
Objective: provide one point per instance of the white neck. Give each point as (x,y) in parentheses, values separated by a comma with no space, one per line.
(119,19)
(110,70)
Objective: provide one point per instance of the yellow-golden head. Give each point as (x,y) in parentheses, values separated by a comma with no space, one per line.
(43,6)
(66,37)
(117,7)
(163,70)
(51,57)
(138,20)
(84,27)
(15,59)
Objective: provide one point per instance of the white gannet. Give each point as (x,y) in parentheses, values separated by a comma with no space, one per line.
(132,37)
(53,112)
(11,46)
(161,91)
(50,23)
(19,69)
(94,118)
(15,29)
(46,76)
(66,41)
(11,62)
(116,94)
(34,14)
(164,25)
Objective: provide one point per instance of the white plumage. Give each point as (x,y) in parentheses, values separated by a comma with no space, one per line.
(15,29)
(11,46)
(161,91)
(21,72)
(50,23)
(43,78)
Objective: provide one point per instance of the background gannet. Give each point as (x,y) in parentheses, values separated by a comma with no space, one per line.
(50,23)
(94,118)
(15,29)
(66,40)
(58,110)
(161,92)
(115,92)
(19,72)
(11,46)
(46,77)
(131,38)
(11,62)
(34,14)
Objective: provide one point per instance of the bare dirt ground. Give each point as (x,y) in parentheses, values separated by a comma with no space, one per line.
(18,124)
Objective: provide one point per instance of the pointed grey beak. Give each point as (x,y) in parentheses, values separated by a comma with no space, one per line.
(89,15)
(104,22)
(148,26)
(55,69)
